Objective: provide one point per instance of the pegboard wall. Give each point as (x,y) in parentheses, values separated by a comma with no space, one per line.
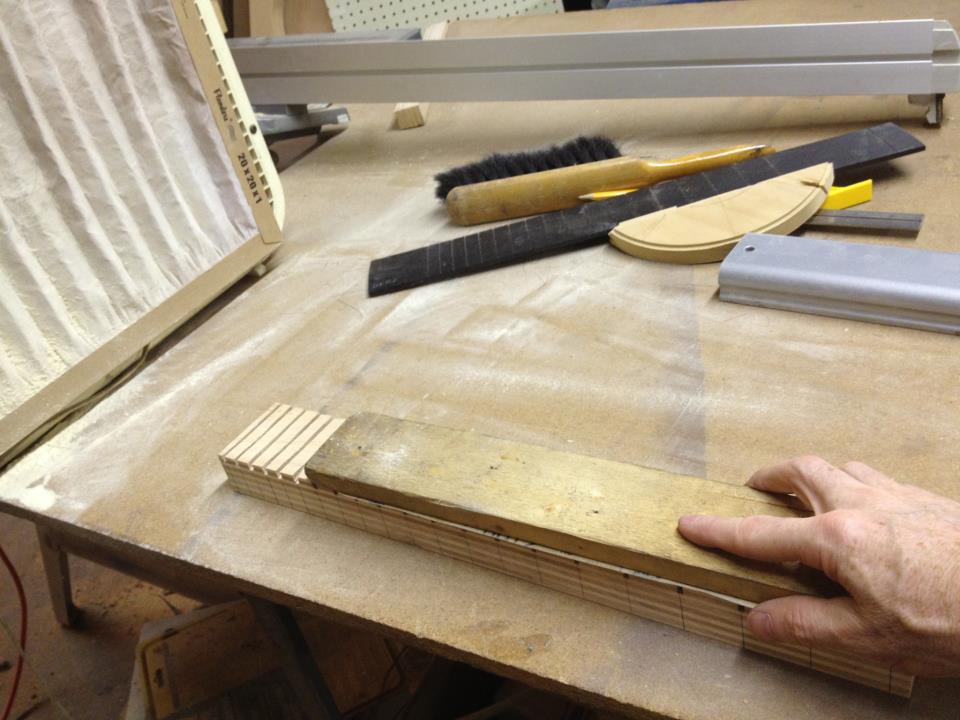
(385,14)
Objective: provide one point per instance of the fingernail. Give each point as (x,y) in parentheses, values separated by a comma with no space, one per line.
(760,624)
(687,521)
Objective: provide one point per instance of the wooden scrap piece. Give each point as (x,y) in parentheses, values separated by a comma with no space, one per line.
(707,230)
(216,650)
(606,511)
(413,114)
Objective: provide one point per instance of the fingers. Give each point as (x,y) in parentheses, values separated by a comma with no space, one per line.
(811,621)
(759,537)
(837,623)
(818,484)
(868,476)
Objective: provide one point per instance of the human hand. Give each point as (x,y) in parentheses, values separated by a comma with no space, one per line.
(895,548)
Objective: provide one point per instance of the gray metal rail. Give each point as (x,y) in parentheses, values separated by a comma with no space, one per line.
(919,58)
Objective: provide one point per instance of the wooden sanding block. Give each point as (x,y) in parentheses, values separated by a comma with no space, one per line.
(603,510)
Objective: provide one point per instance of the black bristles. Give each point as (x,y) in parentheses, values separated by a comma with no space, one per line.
(579,150)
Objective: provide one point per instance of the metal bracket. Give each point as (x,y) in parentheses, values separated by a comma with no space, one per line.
(919,58)
(946,60)
(876,222)
(278,122)
(934,103)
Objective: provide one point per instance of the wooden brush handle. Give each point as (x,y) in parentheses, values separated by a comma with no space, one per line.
(558,189)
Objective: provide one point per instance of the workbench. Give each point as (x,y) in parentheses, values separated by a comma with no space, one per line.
(593,352)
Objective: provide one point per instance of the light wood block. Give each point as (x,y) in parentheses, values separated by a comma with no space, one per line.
(270,18)
(681,606)
(413,114)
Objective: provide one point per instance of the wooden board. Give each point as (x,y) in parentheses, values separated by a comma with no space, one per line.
(264,461)
(356,664)
(306,16)
(706,231)
(607,511)
(239,703)
(220,650)
(217,659)
(266,18)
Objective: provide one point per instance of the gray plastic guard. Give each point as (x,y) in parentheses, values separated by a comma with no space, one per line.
(876,283)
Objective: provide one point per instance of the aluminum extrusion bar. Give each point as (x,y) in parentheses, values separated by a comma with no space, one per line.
(913,57)
(880,222)
(876,283)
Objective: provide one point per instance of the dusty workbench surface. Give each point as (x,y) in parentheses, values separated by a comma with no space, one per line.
(594,352)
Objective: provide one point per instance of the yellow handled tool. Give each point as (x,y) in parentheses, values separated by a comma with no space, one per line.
(840,197)
(523,195)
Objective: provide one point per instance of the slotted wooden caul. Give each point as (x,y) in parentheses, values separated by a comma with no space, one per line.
(267,461)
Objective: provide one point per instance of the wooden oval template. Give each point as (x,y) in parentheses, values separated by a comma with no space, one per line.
(707,230)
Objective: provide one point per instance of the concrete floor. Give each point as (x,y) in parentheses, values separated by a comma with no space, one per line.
(86,670)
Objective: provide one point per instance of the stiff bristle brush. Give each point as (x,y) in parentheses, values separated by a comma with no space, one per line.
(580,150)
(501,187)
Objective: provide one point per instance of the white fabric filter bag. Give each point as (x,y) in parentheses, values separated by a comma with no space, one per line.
(116,190)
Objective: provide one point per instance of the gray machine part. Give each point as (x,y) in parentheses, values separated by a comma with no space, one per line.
(328,38)
(918,58)
(282,121)
(876,283)
(875,222)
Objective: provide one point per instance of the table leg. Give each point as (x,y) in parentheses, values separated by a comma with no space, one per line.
(296,661)
(56,565)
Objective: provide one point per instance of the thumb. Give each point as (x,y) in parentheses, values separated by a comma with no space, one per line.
(808,621)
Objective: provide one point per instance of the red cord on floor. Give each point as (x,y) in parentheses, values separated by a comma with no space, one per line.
(8,708)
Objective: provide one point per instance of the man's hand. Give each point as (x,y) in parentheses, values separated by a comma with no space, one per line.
(895,548)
